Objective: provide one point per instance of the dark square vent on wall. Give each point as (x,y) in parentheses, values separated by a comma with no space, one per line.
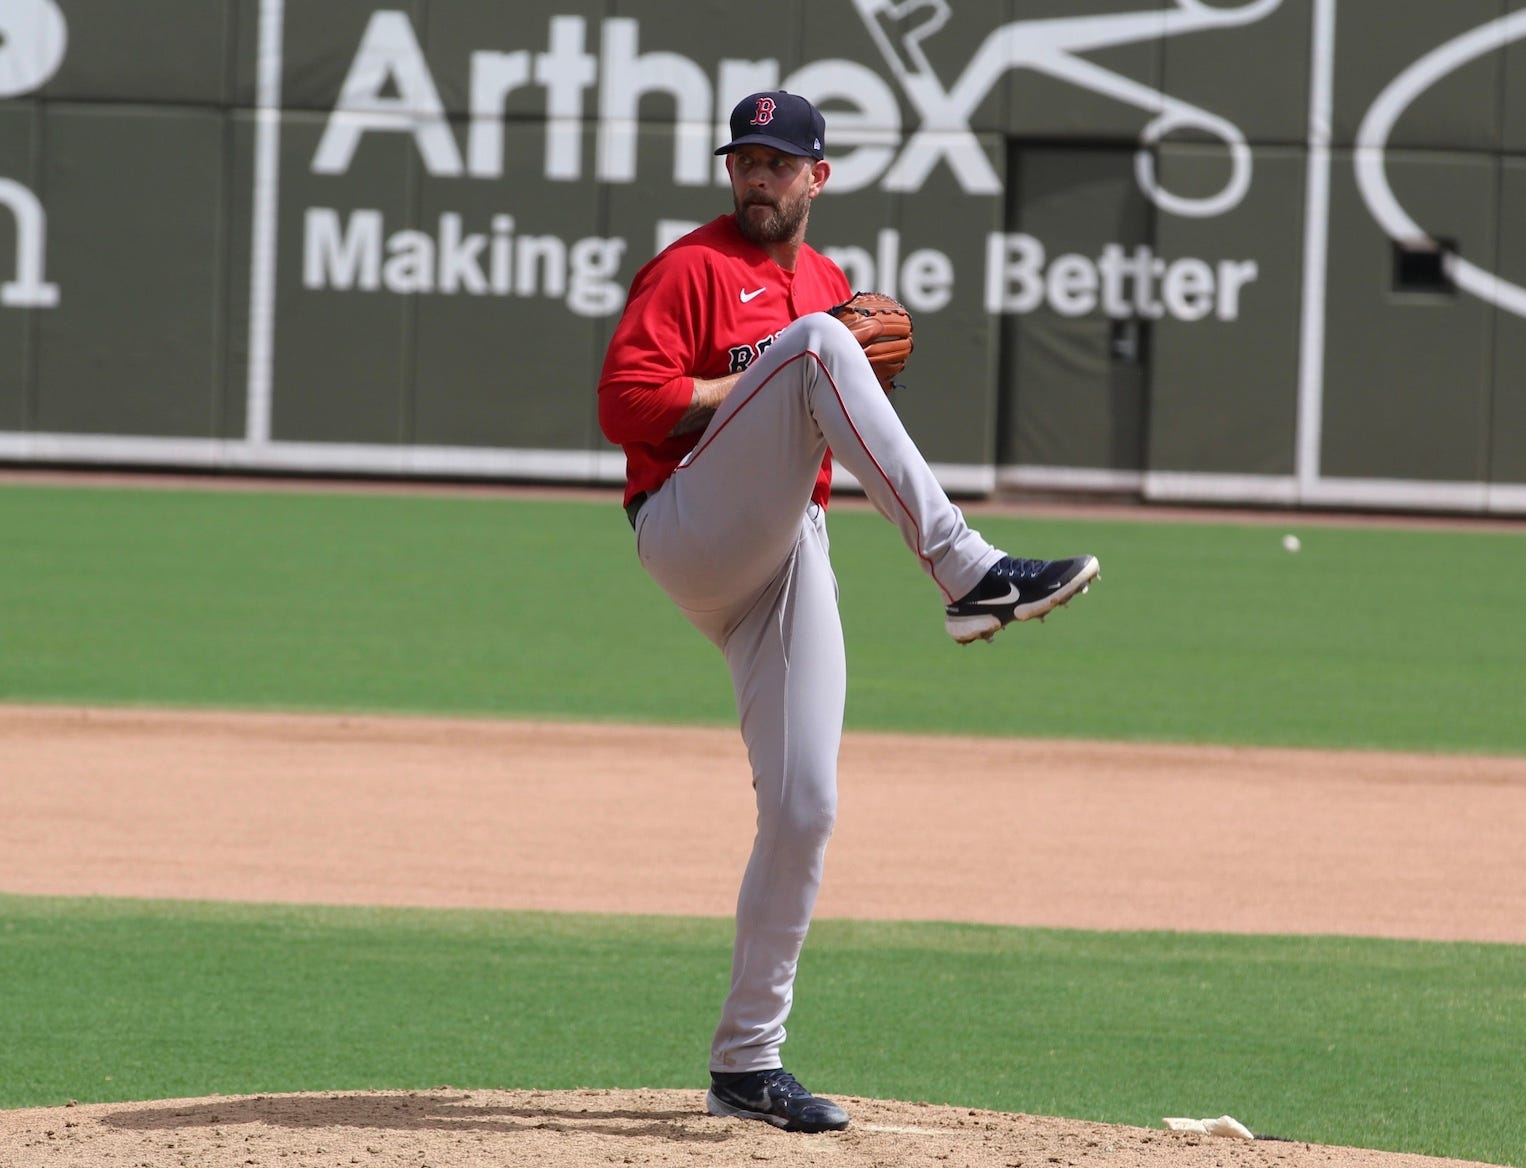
(1421,266)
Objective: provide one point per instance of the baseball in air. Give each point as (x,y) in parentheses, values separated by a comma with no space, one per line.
(1291,543)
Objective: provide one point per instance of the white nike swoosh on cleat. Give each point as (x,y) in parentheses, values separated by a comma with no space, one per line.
(745,297)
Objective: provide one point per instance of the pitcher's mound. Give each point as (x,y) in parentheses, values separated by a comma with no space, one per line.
(449,1128)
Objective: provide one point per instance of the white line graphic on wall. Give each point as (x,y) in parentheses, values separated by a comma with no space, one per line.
(1309,429)
(262,264)
(33,40)
(1372,144)
(28,289)
(1051,46)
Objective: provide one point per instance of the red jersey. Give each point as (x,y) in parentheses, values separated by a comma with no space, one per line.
(706,306)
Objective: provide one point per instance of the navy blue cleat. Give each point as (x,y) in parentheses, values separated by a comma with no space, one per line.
(1017,590)
(775,1097)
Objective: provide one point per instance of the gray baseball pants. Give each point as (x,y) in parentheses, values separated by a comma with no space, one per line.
(733,539)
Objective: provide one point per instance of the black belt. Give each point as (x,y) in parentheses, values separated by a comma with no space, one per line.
(633,508)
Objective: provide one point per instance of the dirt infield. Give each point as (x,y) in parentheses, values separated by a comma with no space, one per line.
(585,1129)
(523,815)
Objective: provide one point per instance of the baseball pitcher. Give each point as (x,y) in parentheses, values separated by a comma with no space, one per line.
(742,365)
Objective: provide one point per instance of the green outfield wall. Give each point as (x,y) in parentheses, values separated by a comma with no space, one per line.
(1262,251)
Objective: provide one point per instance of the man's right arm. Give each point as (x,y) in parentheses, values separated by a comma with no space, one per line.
(648,393)
(708,396)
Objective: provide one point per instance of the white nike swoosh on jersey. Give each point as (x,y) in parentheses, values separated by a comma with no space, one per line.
(753,295)
(1012,594)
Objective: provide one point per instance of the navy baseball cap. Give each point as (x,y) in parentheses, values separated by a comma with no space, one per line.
(784,121)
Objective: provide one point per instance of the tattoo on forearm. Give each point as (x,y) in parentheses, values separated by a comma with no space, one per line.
(696,417)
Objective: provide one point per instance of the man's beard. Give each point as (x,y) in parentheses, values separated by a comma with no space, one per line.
(780,225)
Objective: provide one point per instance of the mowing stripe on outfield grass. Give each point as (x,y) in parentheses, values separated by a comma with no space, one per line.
(1198,632)
(1406,1046)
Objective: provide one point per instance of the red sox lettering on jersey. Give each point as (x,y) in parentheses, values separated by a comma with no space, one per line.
(743,356)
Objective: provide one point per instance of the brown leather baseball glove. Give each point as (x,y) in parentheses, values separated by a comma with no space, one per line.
(883,327)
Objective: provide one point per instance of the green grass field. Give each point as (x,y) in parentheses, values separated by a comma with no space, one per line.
(1377,1043)
(1198,632)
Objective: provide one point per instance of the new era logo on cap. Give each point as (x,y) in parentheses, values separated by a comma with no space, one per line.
(779,119)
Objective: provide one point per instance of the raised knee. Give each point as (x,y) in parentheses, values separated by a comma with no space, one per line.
(829,336)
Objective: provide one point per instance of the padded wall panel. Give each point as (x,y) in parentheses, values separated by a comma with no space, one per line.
(177,52)
(1070,399)
(1513,87)
(320,42)
(1408,370)
(906,50)
(1377,41)
(135,199)
(1092,75)
(16,323)
(1224,386)
(1254,75)
(505,351)
(343,334)
(452,31)
(1507,449)
(911,247)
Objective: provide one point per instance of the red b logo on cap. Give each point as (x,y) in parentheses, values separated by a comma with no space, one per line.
(765,112)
